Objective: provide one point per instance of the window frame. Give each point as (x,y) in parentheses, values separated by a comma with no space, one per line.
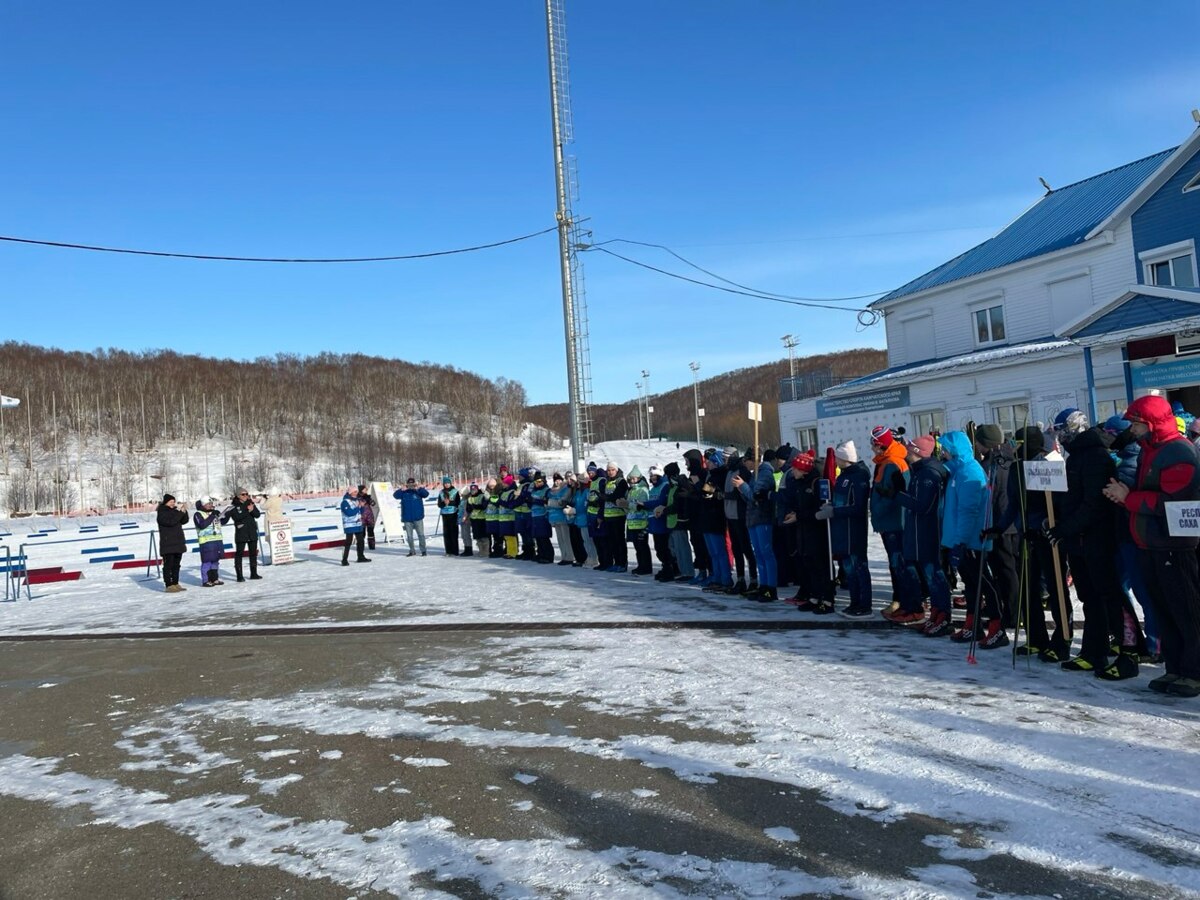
(935,415)
(1011,405)
(1168,254)
(803,431)
(1193,185)
(987,305)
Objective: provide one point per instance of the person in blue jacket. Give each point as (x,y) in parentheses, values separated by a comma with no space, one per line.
(847,512)
(760,520)
(352,525)
(523,513)
(539,495)
(965,520)
(581,540)
(556,501)
(412,514)
(656,526)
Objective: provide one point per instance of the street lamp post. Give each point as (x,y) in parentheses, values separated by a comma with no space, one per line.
(790,342)
(646,381)
(695,367)
(637,431)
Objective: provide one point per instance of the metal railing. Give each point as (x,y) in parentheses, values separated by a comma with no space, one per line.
(805,385)
(152,562)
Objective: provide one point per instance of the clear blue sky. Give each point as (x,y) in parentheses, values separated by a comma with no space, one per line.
(809,149)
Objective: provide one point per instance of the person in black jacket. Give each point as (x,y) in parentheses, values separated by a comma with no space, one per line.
(244,515)
(803,499)
(171,543)
(921,500)
(1087,530)
(997,461)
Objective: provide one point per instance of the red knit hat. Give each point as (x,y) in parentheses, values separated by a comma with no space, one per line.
(882,435)
(804,462)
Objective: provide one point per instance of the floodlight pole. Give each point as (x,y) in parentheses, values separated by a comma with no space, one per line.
(790,342)
(695,367)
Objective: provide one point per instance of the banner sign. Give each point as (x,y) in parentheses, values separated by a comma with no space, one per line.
(388,512)
(1176,373)
(1183,518)
(1046,475)
(875,401)
(279,538)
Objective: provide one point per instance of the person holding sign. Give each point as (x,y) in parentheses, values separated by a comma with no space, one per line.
(1168,470)
(1087,531)
(1027,510)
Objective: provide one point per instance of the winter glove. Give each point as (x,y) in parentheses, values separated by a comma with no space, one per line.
(825,512)
(569,510)
(956,555)
(989,533)
(1053,535)
(622,504)
(658,511)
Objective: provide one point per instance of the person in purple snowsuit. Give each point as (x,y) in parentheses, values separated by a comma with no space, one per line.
(211,540)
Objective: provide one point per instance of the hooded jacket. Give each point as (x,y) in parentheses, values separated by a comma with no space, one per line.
(968,503)
(245,520)
(997,468)
(170,529)
(848,527)
(1168,470)
(891,477)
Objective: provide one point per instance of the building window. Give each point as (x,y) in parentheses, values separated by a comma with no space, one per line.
(929,422)
(1011,416)
(1106,409)
(806,438)
(989,325)
(1173,266)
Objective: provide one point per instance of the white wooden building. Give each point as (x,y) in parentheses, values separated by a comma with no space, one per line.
(991,335)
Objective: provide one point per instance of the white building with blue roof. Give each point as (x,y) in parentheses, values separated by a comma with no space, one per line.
(1088,299)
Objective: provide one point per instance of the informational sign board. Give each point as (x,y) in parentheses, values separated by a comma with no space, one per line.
(279,539)
(1183,518)
(389,508)
(872,401)
(1046,475)
(754,411)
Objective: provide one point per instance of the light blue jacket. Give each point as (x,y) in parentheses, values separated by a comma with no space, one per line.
(968,502)
(562,496)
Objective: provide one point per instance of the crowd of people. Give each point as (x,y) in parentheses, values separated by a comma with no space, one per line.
(949,510)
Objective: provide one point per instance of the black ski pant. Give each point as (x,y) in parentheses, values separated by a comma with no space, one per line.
(370,536)
(980,590)
(743,553)
(170,568)
(545,549)
(1094,572)
(1040,557)
(700,558)
(450,533)
(1173,580)
(250,547)
(357,539)
(662,549)
(641,548)
(1002,565)
(578,547)
(783,542)
(618,548)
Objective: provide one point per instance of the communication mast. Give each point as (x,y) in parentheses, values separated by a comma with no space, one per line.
(575,320)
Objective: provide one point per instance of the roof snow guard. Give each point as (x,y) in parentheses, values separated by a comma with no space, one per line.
(1061,219)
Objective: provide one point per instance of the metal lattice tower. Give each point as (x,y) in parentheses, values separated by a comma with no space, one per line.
(570,237)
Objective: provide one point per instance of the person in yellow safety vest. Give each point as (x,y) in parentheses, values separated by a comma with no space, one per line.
(636,519)
(212,542)
(508,517)
(613,497)
(476,506)
(492,519)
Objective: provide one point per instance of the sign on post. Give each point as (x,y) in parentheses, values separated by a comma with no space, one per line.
(1183,518)
(1046,475)
(279,537)
(389,508)
(754,411)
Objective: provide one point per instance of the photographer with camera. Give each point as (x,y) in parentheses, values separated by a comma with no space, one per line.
(244,515)
(171,542)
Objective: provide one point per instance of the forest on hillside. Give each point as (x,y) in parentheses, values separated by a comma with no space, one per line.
(723,398)
(118,425)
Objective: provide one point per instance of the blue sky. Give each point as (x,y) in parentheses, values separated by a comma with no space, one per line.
(808,150)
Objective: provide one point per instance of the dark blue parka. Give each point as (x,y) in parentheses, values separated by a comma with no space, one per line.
(848,527)
(922,503)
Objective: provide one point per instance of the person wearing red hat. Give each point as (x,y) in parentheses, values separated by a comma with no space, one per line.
(816,591)
(887,519)
(1168,470)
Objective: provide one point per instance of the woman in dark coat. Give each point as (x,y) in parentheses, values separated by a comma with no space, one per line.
(171,543)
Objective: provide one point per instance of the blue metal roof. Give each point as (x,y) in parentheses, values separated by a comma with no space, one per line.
(1060,219)
(1140,310)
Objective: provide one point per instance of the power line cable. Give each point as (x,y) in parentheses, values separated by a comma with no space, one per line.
(700,268)
(866,317)
(273,259)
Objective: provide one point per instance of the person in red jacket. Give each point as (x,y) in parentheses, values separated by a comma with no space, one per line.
(1168,470)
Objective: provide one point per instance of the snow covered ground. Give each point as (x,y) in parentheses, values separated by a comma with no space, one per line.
(1060,770)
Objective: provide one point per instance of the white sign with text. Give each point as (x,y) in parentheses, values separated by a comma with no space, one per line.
(279,535)
(1183,518)
(1046,475)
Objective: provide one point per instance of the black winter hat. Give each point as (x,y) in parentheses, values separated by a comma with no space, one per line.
(1032,441)
(671,470)
(167,498)
(768,455)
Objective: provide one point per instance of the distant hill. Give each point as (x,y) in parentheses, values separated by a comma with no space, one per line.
(723,398)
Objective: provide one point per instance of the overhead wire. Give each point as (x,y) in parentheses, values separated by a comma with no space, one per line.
(866,317)
(276,259)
